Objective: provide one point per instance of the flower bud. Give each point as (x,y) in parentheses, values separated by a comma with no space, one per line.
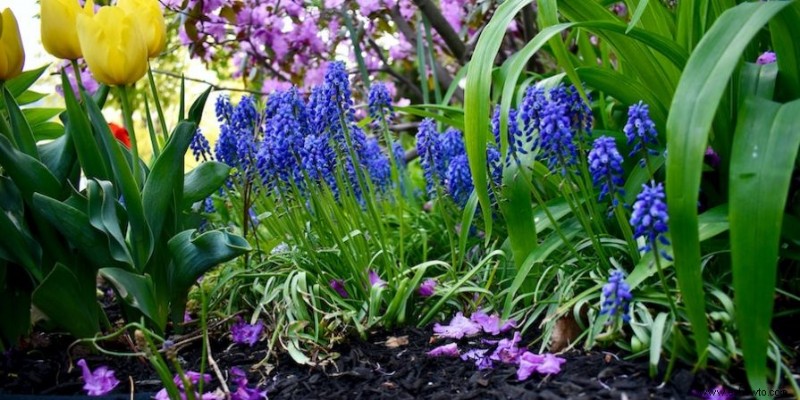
(113,46)
(12,55)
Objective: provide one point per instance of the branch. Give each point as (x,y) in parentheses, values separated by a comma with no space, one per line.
(214,87)
(450,37)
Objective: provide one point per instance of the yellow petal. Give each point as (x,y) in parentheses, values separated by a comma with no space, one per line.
(149,19)
(113,48)
(59,36)
(12,54)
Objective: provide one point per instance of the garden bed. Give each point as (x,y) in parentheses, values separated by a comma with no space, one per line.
(363,369)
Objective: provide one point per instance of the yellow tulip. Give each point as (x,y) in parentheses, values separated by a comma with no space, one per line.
(59,36)
(12,55)
(113,47)
(150,19)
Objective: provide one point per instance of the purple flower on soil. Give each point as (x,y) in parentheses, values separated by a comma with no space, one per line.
(244,333)
(482,361)
(338,286)
(448,350)
(375,279)
(544,364)
(508,351)
(427,288)
(99,382)
(717,393)
(239,378)
(768,57)
(491,324)
(187,317)
(459,327)
(617,296)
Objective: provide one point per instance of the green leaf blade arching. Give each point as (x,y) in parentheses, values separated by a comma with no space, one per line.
(694,106)
(202,181)
(762,159)
(477,95)
(69,301)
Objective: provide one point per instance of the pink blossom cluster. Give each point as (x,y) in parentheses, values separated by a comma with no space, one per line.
(280,44)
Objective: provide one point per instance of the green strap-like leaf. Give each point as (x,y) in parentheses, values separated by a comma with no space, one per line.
(693,109)
(764,150)
(102,212)
(784,30)
(137,291)
(28,173)
(196,110)
(20,128)
(77,124)
(25,80)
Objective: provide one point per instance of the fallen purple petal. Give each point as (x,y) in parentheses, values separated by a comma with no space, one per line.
(545,364)
(428,287)
(551,364)
(459,327)
(507,351)
(244,333)
(99,382)
(491,324)
(482,361)
(338,286)
(448,350)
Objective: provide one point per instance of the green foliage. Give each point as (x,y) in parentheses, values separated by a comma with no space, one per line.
(59,237)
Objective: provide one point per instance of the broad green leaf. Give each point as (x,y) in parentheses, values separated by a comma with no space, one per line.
(38,115)
(47,131)
(196,110)
(102,213)
(69,300)
(29,96)
(75,226)
(764,150)
(203,181)
(18,241)
(140,235)
(23,81)
(28,173)
(193,255)
(20,128)
(163,185)
(657,335)
(784,31)
(137,291)
(637,14)
(15,313)
(59,157)
(694,106)
(77,124)
(548,16)
(757,80)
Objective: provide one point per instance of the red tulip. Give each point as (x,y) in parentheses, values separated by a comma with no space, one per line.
(121,134)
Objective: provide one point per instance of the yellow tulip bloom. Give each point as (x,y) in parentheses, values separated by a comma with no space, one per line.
(150,20)
(59,36)
(12,55)
(113,47)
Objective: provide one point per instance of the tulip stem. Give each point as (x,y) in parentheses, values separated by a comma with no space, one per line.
(76,69)
(127,113)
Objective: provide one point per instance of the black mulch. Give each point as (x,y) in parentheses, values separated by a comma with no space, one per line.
(363,370)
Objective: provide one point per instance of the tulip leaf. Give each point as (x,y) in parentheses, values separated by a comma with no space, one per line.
(202,181)
(20,128)
(29,174)
(25,80)
(15,313)
(69,301)
(193,255)
(163,185)
(36,116)
(196,110)
(77,124)
(141,237)
(47,131)
(102,212)
(17,239)
(76,227)
(137,292)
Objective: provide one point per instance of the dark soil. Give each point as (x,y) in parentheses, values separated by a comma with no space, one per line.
(363,370)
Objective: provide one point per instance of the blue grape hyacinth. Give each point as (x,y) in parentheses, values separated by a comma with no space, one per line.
(379,105)
(605,166)
(458,180)
(556,140)
(200,147)
(640,130)
(649,217)
(616,296)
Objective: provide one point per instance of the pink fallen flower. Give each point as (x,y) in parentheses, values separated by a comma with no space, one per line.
(448,350)
(482,361)
(98,382)
(459,327)
(544,364)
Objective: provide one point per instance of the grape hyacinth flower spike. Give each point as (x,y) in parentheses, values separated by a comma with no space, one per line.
(616,296)
(605,166)
(641,131)
(649,217)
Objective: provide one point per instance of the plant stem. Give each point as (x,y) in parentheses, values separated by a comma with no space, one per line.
(127,115)
(76,69)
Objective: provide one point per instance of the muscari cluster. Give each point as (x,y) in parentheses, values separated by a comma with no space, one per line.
(300,143)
